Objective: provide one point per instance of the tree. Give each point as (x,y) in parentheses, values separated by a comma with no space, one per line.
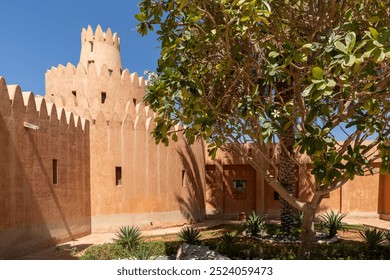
(282,74)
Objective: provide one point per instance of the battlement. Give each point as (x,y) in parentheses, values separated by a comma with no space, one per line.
(92,71)
(87,35)
(24,105)
(100,48)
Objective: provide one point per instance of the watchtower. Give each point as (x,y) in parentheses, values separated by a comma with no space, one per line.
(100,48)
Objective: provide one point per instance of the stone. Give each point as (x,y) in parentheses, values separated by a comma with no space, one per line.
(196,252)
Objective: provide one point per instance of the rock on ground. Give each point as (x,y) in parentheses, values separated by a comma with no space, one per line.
(196,252)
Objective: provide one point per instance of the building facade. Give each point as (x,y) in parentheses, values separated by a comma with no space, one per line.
(82,160)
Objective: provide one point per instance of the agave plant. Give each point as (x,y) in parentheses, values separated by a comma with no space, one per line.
(189,235)
(228,239)
(254,223)
(298,218)
(144,251)
(373,237)
(128,237)
(333,222)
(388,236)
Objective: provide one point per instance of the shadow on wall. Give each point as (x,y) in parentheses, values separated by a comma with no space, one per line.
(22,225)
(214,188)
(192,198)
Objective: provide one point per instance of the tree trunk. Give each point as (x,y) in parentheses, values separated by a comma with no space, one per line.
(308,233)
(287,172)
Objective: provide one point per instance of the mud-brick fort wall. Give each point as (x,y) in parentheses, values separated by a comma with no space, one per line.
(133,180)
(44,173)
(367,196)
(384,197)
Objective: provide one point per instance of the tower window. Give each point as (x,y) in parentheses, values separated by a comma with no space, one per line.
(55,172)
(110,71)
(135,101)
(91,61)
(118,175)
(104,96)
(74,93)
(183,178)
(91,43)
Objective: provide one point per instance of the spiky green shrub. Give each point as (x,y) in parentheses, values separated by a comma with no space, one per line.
(298,218)
(228,239)
(189,235)
(333,222)
(144,251)
(387,234)
(373,237)
(128,237)
(254,223)
(226,244)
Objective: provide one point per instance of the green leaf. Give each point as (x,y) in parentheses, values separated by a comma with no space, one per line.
(374,33)
(350,41)
(183,4)
(140,17)
(373,19)
(274,54)
(317,73)
(245,18)
(331,83)
(306,92)
(349,61)
(341,47)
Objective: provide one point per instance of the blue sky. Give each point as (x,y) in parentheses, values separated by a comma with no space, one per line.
(38,34)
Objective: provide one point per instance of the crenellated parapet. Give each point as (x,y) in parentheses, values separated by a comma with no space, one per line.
(78,89)
(136,116)
(88,35)
(100,48)
(98,82)
(24,106)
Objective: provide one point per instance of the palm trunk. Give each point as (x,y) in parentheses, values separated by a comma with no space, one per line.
(287,174)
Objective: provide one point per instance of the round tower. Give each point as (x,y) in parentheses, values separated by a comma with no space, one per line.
(100,48)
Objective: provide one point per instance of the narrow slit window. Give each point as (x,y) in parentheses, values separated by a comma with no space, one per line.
(135,101)
(55,172)
(183,178)
(104,96)
(118,175)
(74,93)
(91,43)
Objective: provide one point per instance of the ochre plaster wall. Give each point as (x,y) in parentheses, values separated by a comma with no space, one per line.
(384,197)
(35,213)
(357,197)
(160,185)
(360,196)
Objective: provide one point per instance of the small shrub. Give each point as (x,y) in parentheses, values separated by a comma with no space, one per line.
(144,251)
(254,224)
(387,236)
(226,244)
(298,218)
(333,222)
(128,237)
(189,235)
(228,238)
(106,251)
(373,237)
